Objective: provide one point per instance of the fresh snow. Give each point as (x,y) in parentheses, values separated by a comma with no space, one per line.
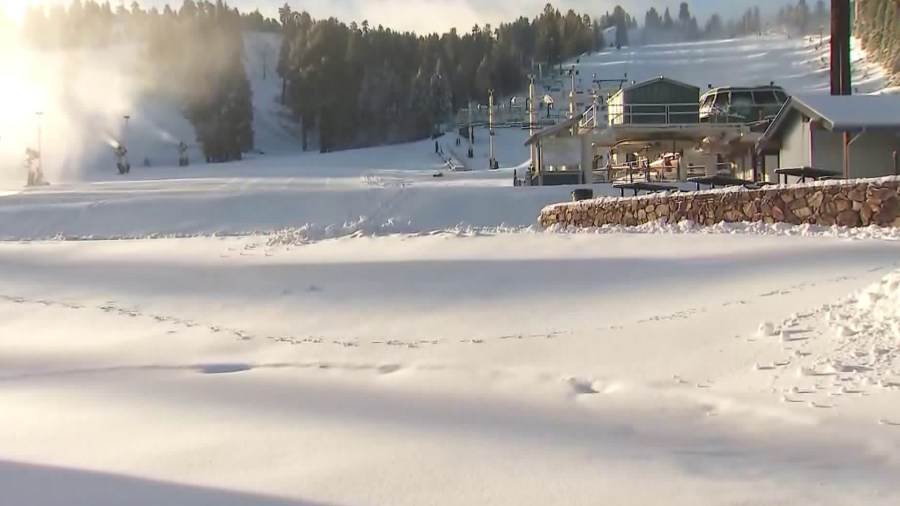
(348,329)
(491,369)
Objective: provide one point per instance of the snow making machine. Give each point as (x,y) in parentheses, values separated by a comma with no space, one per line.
(121,155)
(183,160)
(33,166)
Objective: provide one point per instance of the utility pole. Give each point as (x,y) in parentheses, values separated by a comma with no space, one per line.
(471,133)
(840,47)
(125,130)
(532,128)
(572,74)
(493,162)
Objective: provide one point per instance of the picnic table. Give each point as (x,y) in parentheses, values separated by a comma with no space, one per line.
(806,172)
(640,186)
(720,180)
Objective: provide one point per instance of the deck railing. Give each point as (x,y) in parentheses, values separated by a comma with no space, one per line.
(654,114)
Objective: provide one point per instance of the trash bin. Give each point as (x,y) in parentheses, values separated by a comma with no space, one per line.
(582,194)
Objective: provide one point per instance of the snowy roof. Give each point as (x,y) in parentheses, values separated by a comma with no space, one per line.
(844,113)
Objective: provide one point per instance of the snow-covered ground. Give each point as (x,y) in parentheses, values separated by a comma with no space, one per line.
(445,369)
(349,329)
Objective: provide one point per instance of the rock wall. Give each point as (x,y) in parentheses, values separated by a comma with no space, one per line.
(854,203)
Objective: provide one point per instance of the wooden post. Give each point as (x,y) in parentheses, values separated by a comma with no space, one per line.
(896,166)
(846,155)
(754,160)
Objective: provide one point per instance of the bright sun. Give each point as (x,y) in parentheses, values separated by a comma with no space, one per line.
(13,9)
(21,91)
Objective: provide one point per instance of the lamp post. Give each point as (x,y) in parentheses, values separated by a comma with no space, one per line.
(39,172)
(492,162)
(572,73)
(39,115)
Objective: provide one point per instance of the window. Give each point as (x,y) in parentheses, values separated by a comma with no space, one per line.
(721,100)
(741,98)
(765,97)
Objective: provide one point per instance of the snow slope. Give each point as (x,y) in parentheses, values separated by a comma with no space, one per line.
(799,64)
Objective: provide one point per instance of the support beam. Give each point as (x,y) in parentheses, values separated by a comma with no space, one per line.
(587,159)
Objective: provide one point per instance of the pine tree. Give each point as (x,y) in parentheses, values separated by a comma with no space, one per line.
(801,16)
(714,27)
(443,95)
(668,22)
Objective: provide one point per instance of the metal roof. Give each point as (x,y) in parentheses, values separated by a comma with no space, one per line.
(842,113)
(658,79)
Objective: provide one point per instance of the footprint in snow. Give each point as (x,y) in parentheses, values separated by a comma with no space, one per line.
(389,368)
(223,368)
(582,386)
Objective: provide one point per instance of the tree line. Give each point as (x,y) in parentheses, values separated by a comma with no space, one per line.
(878,28)
(357,85)
(804,19)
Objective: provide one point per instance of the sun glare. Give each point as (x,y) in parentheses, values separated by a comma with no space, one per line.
(21,90)
(14,10)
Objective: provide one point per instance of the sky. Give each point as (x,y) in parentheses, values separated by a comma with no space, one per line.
(440,15)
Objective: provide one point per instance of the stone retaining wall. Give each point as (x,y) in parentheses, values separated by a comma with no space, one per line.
(854,203)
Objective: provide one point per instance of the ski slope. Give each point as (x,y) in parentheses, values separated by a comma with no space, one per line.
(84,96)
(799,64)
(305,329)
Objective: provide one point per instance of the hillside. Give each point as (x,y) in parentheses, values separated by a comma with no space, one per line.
(878,28)
(799,64)
(84,95)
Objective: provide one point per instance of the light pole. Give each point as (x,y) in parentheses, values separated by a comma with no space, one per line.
(36,173)
(493,163)
(471,133)
(572,73)
(40,159)
(39,114)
